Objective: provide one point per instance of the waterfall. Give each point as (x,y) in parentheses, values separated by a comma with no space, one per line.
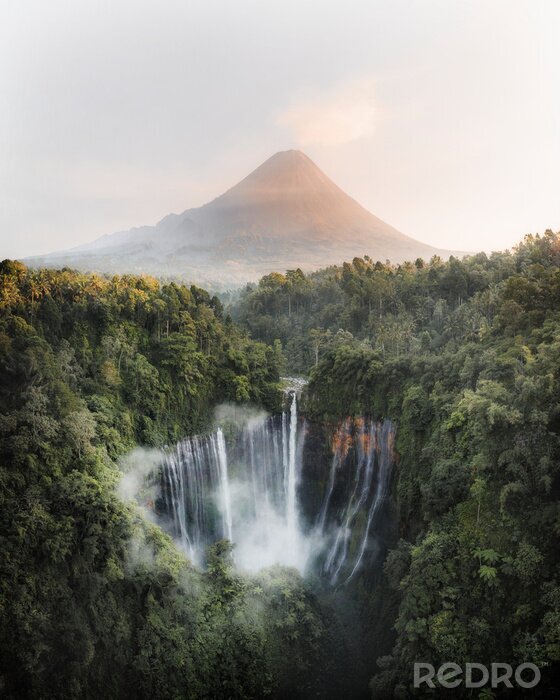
(370,445)
(191,471)
(381,491)
(362,484)
(246,484)
(340,444)
(224,479)
(291,513)
(243,488)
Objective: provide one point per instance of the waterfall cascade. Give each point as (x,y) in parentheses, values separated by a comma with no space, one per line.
(246,486)
(363,453)
(245,491)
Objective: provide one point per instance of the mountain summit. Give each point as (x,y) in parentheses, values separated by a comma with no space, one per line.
(285,214)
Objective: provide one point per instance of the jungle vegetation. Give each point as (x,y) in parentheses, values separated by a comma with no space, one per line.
(95,601)
(464,356)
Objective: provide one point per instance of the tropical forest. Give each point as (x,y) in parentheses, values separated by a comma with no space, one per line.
(294,490)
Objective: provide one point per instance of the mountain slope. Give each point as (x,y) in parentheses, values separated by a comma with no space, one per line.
(287,213)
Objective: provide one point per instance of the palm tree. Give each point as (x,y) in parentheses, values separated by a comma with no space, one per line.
(10,294)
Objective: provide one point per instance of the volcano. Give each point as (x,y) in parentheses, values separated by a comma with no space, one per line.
(285,214)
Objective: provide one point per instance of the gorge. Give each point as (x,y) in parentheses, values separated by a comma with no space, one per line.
(268,487)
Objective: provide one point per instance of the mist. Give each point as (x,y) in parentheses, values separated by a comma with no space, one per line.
(243,482)
(139,481)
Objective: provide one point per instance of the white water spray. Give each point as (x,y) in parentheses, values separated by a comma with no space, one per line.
(224,478)
(246,488)
(245,491)
(291,512)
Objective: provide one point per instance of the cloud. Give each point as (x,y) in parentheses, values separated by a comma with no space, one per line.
(341,115)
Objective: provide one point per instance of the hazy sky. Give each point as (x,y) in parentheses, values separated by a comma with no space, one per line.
(440,116)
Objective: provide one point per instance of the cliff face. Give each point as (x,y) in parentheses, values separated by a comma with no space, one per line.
(346,494)
(285,490)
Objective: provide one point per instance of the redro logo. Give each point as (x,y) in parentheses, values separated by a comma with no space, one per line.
(450,675)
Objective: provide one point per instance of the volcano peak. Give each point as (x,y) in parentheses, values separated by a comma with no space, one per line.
(286,213)
(286,170)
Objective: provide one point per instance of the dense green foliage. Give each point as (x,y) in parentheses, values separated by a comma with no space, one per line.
(396,310)
(464,355)
(94,601)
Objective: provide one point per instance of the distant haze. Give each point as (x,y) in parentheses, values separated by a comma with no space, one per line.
(442,118)
(285,214)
